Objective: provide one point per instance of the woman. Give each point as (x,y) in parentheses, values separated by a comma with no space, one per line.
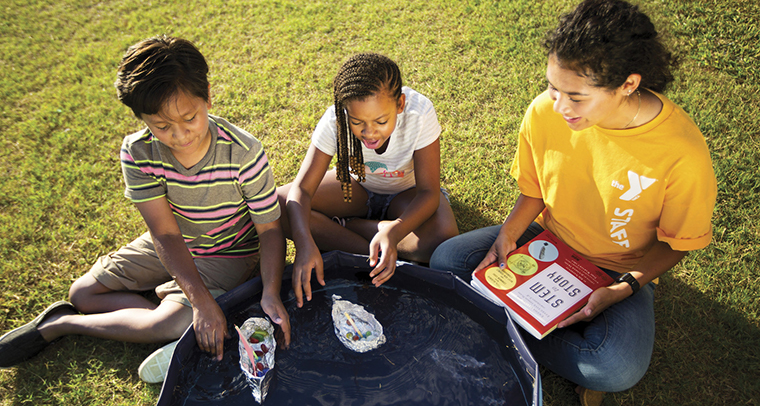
(616,171)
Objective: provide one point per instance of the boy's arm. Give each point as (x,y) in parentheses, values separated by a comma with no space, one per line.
(272,257)
(209,322)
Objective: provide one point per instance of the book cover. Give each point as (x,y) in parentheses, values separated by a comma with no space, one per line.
(543,282)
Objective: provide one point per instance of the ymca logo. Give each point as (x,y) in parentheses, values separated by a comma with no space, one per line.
(638,184)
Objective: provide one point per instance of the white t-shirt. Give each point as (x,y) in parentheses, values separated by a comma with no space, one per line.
(392,171)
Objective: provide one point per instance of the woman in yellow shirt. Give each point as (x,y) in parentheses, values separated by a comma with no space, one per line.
(616,171)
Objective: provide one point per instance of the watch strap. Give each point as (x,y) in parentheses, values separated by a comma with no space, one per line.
(630,280)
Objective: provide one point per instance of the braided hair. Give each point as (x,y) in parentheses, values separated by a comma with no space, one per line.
(361,76)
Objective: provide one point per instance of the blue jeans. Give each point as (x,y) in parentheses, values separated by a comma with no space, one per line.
(611,353)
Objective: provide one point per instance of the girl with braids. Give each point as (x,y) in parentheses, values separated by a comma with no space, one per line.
(384,192)
(615,170)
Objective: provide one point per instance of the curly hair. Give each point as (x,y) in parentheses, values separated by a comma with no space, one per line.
(608,40)
(154,70)
(360,77)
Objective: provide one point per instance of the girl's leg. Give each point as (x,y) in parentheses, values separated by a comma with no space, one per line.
(327,203)
(419,244)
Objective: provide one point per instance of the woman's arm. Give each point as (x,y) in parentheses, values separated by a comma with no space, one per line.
(526,210)
(209,322)
(313,169)
(658,260)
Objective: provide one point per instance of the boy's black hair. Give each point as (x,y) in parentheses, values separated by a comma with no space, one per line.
(361,76)
(607,40)
(156,69)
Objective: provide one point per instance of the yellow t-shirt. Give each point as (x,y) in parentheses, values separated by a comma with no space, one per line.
(610,194)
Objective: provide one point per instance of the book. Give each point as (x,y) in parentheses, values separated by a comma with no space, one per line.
(543,282)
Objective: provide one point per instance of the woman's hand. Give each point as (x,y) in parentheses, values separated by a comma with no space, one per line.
(658,260)
(525,211)
(498,252)
(599,300)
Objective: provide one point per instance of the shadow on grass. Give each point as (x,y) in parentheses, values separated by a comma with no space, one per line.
(468,218)
(702,349)
(79,370)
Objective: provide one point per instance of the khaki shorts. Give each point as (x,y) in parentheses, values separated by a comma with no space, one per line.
(136,267)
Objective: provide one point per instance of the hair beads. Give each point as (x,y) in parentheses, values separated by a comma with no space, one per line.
(361,76)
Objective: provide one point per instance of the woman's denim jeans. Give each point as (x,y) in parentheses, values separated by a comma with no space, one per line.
(610,353)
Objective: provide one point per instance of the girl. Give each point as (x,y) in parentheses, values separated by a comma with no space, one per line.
(615,170)
(387,137)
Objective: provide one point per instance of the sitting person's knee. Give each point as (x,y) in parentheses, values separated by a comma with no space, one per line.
(83,291)
(166,330)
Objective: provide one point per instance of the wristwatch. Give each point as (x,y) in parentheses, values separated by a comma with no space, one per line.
(629,279)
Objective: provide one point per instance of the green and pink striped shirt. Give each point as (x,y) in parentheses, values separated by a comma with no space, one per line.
(217,201)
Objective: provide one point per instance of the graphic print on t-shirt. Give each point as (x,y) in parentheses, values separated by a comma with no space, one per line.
(622,215)
(638,184)
(379,168)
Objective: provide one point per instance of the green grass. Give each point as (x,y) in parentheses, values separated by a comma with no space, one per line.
(272,62)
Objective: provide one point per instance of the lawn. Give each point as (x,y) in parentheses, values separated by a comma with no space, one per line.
(272,64)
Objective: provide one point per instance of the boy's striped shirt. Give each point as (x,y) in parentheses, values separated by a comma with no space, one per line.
(216,201)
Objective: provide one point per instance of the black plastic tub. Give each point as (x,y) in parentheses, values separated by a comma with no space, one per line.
(446,345)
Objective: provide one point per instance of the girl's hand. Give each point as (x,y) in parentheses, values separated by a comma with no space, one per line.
(498,252)
(273,307)
(307,258)
(388,251)
(599,300)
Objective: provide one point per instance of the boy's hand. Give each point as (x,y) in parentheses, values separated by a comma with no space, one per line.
(306,260)
(273,307)
(209,322)
(210,327)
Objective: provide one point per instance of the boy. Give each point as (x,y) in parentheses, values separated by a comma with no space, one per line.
(207,195)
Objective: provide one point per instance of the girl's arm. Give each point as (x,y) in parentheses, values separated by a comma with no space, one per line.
(526,210)
(658,260)
(272,257)
(427,175)
(313,169)
(209,322)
